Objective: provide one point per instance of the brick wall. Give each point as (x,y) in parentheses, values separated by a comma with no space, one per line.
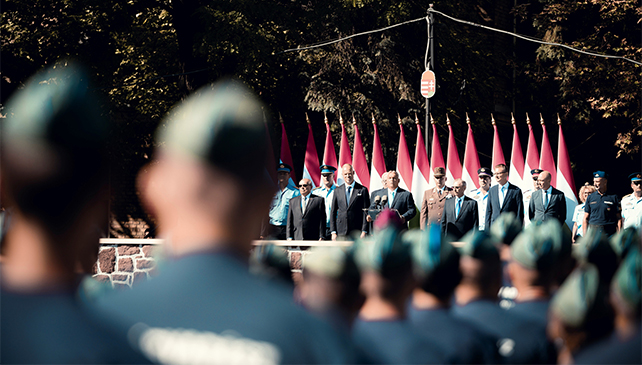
(124,265)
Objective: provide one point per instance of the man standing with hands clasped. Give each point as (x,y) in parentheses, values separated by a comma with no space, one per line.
(306,216)
(503,197)
(547,202)
(602,209)
(460,214)
(348,204)
(432,204)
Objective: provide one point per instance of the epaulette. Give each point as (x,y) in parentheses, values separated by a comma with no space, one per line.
(626,196)
(317,188)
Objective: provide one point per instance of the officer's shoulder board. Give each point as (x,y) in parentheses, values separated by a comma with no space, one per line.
(317,188)
(626,196)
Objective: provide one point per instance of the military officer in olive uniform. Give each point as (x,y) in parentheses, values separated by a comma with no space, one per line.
(480,195)
(432,204)
(632,203)
(527,195)
(602,209)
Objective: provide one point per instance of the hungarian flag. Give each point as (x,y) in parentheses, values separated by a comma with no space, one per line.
(498,152)
(565,180)
(546,161)
(271,162)
(532,156)
(286,155)
(344,151)
(516,170)
(329,154)
(471,161)
(404,167)
(311,165)
(453,167)
(378,164)
(359,162)
(421,168)
(436,158)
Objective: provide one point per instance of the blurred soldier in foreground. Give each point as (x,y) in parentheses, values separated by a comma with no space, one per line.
(382,330)
(625,345)
(209,191)
(502,233)
(580,314)
(54,179)
(436,269)
(632,203)
(602,209)
(521,340)
(535,255)
(330,286)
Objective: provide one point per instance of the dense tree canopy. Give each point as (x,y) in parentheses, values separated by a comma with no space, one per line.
(146,55)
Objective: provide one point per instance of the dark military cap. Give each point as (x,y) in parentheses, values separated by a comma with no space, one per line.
(223,125)
(283,167)
(479,245)
(601,174)
(430,250)
(579,298)
(535,173)
(327,169)
(505,228)
(485,171)
(623,240)
(439,171)
(636,176)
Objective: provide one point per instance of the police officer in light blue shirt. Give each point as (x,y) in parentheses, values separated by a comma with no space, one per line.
(326,191)
(480,195)
(281,202)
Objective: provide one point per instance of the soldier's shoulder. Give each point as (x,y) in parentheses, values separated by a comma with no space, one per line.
(627,196)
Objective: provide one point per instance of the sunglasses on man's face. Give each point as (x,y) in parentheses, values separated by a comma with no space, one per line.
(637,183)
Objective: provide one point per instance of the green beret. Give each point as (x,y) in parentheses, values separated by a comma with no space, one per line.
(595,249)
(505,228)
(624,240)
(539,247)
(55,112)
(332,262)
(480,246)
(430,250)
(221,124)
(386,253)
(579,297)
(628,278)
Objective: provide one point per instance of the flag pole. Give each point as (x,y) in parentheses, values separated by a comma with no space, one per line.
(432,67)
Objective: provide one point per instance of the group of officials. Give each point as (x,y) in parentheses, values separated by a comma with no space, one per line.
(334,212)
(388,299)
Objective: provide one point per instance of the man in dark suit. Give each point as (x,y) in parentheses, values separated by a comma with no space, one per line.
(503,197)
(460,214)
(547,202)
(396,198)
(306,216)
(348,204)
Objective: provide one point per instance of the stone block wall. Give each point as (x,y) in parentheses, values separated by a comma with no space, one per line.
(125,265)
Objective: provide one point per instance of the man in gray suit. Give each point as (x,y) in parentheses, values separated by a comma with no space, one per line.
(460,214)
(547,202)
